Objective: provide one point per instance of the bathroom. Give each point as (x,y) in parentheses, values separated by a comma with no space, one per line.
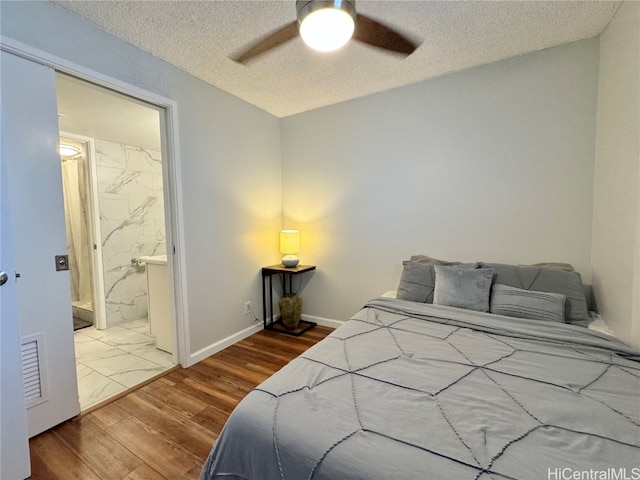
(111,165)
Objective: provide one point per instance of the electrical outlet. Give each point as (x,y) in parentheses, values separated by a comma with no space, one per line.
(247,308)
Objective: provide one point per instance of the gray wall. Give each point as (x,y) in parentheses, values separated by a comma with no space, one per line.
(493,163)
(616,214)
(230,157)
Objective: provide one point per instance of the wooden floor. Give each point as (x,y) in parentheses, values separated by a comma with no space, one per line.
(166,428)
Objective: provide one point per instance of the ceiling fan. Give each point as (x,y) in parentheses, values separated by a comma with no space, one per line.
(327,25)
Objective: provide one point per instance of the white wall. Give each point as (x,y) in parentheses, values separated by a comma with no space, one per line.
(230,157)
(616,213)
(493,163)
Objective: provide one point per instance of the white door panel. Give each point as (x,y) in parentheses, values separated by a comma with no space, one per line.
(29,148)
(14,444)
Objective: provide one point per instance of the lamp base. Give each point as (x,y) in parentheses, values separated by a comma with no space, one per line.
(290,261)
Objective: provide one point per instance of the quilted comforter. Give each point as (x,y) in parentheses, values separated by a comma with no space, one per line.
(415,391)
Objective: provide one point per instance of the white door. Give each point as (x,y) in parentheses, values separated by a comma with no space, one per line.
(14,444)
(30,151)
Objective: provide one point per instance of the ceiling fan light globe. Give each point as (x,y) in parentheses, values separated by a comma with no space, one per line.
(327,29)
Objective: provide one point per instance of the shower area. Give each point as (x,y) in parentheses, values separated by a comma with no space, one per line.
(75,179)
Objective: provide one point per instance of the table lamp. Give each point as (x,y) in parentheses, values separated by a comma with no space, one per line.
(290,245)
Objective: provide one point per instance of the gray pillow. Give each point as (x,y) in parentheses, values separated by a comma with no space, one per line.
(463,287)
(434,261)
(516,302)
(566,283)
(417,282)
(419,278)
(567,267)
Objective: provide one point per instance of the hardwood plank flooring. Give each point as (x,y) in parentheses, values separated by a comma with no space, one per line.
(104,455)
(165,429)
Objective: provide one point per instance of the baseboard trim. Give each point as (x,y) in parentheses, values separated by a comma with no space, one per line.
(325,322)
(205,352)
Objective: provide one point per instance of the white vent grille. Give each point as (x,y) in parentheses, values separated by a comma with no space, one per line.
(35,390)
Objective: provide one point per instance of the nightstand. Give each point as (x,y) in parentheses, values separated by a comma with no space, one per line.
(286,275)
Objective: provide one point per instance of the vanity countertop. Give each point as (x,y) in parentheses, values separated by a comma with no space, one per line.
(156,259)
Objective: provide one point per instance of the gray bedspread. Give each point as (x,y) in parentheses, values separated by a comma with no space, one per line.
(414,391)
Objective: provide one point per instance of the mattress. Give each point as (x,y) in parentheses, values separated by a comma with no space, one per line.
(407,390)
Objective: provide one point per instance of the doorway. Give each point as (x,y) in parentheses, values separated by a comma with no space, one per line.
(84,250)
(115,217)
(43,299)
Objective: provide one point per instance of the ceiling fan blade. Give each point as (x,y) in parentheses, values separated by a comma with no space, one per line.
(374,33)
(268,42)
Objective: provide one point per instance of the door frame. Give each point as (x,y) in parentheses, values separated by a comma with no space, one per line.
(97,281)
(171,175)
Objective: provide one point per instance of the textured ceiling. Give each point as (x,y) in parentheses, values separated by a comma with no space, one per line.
(198,36)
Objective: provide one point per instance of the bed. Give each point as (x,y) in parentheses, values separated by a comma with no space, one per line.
(413,390)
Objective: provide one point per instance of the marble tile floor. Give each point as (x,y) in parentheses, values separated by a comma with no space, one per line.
(113,360)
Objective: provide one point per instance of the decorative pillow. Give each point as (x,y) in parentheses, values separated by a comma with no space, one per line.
(567,267)
(515,302)
(434,261)
(419,278)
(463,287)
(566,283)
(417,282)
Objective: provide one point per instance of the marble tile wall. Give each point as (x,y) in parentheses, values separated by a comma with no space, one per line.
(131,208)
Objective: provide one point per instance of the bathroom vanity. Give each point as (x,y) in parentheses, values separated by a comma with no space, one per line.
(158,301)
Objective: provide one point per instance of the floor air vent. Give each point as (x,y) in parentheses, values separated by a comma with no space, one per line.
(35,387)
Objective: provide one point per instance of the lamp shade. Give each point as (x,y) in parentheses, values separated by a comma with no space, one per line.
(289,242)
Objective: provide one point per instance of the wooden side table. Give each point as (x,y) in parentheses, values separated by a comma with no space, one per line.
(286,274)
